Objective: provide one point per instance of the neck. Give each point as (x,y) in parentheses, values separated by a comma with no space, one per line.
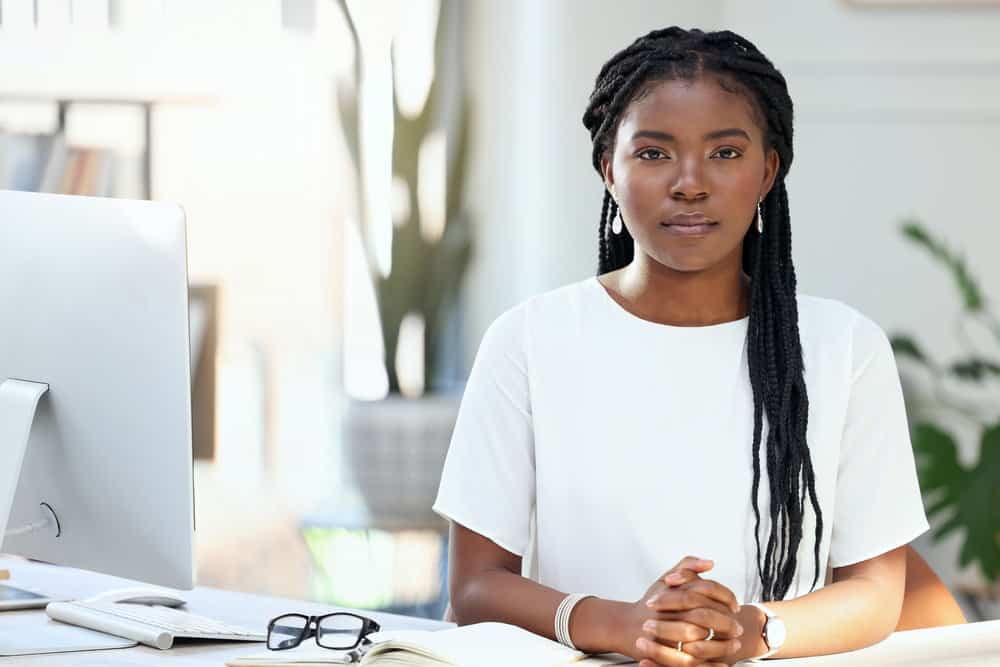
(685,298)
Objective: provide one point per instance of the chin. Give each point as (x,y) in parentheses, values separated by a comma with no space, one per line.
(687,264)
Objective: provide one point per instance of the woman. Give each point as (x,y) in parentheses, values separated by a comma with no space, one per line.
(685,400)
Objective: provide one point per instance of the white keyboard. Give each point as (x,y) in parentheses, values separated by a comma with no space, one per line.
(152,625)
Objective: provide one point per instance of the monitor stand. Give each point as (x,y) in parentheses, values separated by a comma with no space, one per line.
(18,402)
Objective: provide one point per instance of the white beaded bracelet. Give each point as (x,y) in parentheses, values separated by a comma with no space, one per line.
(562,617)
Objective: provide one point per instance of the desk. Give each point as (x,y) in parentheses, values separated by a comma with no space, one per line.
(240,608)
(970,645)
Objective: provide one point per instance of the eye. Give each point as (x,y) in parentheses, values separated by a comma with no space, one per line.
(651,154)
(728,153)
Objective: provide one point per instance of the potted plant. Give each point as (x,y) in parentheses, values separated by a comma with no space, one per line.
(395,446)
(954,403)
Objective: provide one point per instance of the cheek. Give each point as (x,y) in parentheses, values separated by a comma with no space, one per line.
(742,184)
(639,187)
(741,181)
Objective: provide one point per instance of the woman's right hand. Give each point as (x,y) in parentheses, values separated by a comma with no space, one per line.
(687,606)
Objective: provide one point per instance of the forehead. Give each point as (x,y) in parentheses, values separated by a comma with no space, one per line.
(690,107)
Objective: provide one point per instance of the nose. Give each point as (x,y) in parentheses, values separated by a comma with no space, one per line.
(689,181)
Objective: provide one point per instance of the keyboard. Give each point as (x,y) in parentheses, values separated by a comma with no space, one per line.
(151,625)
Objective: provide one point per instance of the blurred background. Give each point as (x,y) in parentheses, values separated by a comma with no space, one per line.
(369,183)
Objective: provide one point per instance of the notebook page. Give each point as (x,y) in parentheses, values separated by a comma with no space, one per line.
(479,645)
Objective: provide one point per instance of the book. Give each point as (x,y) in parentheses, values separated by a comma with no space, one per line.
(477,645)
(23,158)
(55,165)
(28,634)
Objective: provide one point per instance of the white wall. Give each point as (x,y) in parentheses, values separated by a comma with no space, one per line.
(897,114)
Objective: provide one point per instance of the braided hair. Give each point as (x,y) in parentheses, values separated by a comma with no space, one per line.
(774,349)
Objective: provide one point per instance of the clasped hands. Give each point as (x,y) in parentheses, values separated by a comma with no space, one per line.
(681,607)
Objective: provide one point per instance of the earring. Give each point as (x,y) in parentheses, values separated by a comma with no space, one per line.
(760,219)
(621,223)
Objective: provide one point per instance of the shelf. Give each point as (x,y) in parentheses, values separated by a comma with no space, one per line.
(145,67)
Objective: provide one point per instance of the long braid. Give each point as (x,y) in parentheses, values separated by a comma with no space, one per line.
(613,249)
(774,347)
(602,236)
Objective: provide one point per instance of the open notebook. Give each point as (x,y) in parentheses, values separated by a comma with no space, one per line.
(478,645)
(496,645)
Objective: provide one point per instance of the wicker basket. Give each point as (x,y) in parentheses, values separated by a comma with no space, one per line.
(395,451)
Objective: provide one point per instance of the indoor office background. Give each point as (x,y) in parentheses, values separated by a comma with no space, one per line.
(273,124)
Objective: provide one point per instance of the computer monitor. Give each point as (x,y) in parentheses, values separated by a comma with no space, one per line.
(95,329)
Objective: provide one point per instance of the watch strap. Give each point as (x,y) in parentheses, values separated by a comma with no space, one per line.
(769,615)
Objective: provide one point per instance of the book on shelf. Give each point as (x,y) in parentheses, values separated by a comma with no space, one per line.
(477,645)
(45,163)
(55,165)
(87,172)
(22,159)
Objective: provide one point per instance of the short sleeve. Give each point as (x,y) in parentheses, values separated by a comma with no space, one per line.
(878,506)
(488,480)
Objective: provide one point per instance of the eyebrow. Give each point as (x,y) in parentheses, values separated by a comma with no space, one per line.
(717,134)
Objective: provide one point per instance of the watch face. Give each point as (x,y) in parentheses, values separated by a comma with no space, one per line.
(775,630)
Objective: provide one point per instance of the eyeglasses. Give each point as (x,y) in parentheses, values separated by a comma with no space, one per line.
(340,631)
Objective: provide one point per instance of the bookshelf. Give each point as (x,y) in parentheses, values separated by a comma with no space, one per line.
(145,104)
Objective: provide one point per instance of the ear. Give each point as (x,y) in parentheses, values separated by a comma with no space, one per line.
(609,175)
(771,164)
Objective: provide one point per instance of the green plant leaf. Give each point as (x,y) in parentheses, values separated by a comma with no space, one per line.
(980,503)
(905,346)
(967,498)
(974,369)
(938,466)
(971,295)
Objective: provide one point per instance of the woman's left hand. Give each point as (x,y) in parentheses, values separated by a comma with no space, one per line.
(687,576)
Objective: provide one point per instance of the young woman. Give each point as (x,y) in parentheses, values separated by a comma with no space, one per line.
(685,400)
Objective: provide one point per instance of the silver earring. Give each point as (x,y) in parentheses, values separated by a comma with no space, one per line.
(617,219)
(760,219)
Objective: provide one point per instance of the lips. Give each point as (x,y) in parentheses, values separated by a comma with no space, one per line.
(694,218)
(689,224)
(690,230)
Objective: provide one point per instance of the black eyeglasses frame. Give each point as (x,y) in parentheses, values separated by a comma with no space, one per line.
(311,629)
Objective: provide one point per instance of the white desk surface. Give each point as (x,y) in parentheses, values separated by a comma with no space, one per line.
(252,611)
(970,645)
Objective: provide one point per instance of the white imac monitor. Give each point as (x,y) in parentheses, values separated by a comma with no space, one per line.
(95,405)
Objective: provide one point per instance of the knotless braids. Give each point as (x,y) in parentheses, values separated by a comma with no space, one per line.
(774,350)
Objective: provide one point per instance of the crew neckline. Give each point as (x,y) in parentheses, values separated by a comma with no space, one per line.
(649,324)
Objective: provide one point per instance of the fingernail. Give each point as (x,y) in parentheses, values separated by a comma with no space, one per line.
(651,602)
(675,577)
(736,644)
(649,626)
(640,644)
(739,630)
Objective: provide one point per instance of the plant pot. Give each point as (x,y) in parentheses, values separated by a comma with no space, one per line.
(395,450)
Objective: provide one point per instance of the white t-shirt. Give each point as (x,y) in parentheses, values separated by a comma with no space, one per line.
(603,448)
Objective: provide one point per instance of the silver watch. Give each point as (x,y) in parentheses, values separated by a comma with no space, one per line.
(773,631)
